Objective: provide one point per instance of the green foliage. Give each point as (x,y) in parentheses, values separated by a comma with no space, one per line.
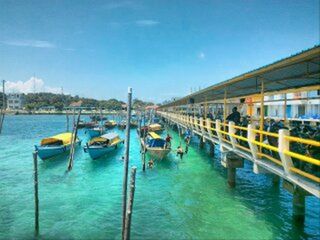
(37,100)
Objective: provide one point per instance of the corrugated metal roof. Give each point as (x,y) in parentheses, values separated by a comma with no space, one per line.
(296,71)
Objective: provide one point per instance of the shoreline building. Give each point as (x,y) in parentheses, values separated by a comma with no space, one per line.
(15,101)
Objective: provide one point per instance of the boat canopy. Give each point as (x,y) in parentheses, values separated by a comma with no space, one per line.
(155,127)
(154,135)
(156,142)
(63,139)
(111,138)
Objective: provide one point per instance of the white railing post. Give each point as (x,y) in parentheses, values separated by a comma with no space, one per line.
(202,127)
(252,137)
(209,127)
(284,145)
(232,130)
(218,127)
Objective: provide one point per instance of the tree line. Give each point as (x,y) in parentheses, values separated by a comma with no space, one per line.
(34,101)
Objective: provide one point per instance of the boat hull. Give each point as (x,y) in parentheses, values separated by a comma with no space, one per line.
(156,152)
(99,151)
(46,152)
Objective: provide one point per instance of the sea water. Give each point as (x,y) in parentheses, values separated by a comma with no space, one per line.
(177,199)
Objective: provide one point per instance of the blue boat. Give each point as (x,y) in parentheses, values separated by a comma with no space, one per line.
(55,145)
(99,146)
(95,132)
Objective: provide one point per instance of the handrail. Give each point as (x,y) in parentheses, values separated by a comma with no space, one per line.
(307,175)
(277,161)
(266,146)
(302,140)
(302,157)
(266,133)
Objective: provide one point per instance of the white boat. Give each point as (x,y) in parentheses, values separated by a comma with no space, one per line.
(55,145)
(99,146)
(156,146)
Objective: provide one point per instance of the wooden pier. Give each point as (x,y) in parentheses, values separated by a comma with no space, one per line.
(297,73)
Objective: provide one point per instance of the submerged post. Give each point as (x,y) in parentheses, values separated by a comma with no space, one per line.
(144,146)
(130,204)
(73,142)
(36,198)
(3,105)
(126,162)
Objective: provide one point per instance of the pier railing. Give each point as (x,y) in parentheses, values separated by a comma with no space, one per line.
(277,157)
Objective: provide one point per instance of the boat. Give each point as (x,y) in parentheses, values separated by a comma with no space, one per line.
(156,146)
(110,124)
(123,124)
(55,145)
(99,146)
(95,132)
(83,124)
(97,118)
(156,127)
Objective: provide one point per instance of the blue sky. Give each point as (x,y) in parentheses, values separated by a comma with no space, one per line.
(160,48)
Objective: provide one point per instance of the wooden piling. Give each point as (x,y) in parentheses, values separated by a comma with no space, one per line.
(126,162)
(233,161)
(212,149)
(3,106)
(73,142)
(36,196)
(130,204)
(298,207)
(201,143)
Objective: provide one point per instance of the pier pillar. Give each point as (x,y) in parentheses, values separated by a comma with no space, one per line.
(298,207)
(232,161)
(201,143)
(298,202)
(211,144)
(275,180)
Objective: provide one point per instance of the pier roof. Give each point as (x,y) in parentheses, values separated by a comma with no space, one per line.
(301,70)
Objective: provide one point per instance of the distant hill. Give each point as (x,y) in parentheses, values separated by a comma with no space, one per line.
(33,101)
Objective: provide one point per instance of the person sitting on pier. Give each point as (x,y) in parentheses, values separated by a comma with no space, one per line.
(234,116)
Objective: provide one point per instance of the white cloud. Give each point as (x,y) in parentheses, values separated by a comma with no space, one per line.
(201,55)
(32,85)
(146,22)
(29,43)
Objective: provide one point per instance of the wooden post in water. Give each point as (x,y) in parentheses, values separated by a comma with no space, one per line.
(126,162)
(36,197)
(3,106)
(261,113)
(130,204)
(144,146)
(73,142)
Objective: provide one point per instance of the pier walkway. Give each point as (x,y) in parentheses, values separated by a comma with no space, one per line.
(297,73)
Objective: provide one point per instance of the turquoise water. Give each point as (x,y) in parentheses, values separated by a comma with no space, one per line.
(186,199)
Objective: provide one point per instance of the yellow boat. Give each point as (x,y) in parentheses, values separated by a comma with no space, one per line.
(55,145)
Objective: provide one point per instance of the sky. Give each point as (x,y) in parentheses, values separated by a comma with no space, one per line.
(162,49)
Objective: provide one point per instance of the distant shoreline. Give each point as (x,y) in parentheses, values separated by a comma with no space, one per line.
(23,112)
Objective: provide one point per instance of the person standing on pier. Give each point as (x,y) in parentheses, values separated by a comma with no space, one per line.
(234,116)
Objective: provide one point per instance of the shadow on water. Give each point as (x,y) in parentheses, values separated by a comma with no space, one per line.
(105,160)
(54,161)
